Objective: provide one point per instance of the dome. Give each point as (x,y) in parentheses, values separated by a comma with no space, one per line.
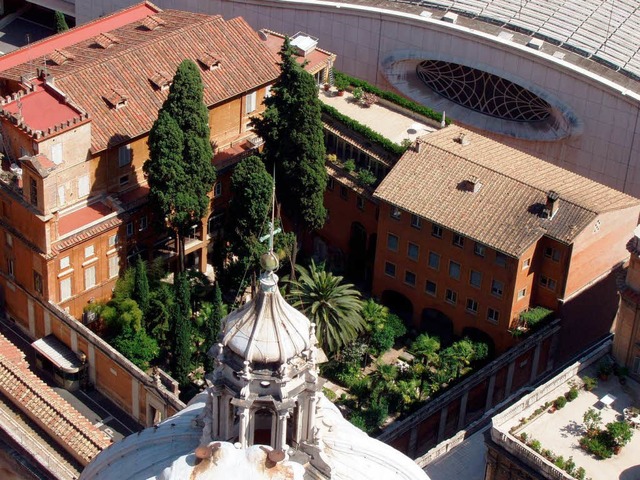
(267,329)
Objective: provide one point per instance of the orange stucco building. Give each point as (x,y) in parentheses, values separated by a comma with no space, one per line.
(472,232)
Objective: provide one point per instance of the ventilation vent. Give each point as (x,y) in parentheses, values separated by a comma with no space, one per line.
(152,22)
(472,184)
(106,40)
(116,98)
(59,57)
(210,61)
(161,80)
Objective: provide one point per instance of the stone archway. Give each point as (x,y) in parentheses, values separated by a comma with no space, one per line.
(398,304)
(437,324)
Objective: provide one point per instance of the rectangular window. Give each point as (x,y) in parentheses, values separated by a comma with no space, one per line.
(479,249)
(124,155)
(395,213)
(501,259)
(389,269)
(33,191)
(65,262)
(526,263)
(547,282)
(430,287)
(10,267)
(360,202)
(413,251)
(143,223)
(251,102)
(8,239)
(90,277)
(458,240)
(65,288)
(124,179)
(330,183)
(217,189)
(113,240)
(434,260)
(62,195)
(89,251)
(416,222)
(497,288)
(436,231)
(56,153)
(37,282)
(129,229)
(475,278)
(493,316)
(472,306)
(392,242)
(636,365)
(83,186)
(552,253)
(344,193)
(522,293)
(451,296)
(114,266)
(410,278)
(454,270)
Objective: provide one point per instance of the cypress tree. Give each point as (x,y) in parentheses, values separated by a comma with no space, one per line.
(141,293)
(61,22)
(294,141)
(181,330)
(212,328)
(179,169)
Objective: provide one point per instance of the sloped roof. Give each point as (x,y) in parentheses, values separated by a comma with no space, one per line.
(505,212)
(94,73)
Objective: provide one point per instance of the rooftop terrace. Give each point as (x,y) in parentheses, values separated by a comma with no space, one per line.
(560,431)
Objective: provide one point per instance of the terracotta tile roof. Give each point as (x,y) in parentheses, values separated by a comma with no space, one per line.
(140,53)
(505,212)
(315,60)
(39,402)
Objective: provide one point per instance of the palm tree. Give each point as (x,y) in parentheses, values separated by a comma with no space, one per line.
(332,305)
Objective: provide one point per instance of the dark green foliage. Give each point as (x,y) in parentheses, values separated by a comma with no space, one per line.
(343,79)
(141,292)
(179,171)
(534,316)
(61,22)
(426,348)
(212,326)
(365,131)
(158,319)
(384,327)
(597,446)
(366,177)
(572,394)
(181,331)
(137,346)
(560,402)
(620,433)
(251,202)
(291,127)
(589,383)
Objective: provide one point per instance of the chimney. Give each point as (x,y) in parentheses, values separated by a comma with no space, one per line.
(473,184)
(551,208)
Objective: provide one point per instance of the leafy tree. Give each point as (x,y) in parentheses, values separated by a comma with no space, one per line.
(620,433)
(158,319)
(332,305)
(426,348)
(141,292)
(592,420)
(179,170)
(212,326)
(122,315)
(181,330)
(61,22)
(291,127)
(137,346)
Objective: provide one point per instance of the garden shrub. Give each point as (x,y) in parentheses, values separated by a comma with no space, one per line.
(349,165)
(589,383)
(330,394)
(572,394)
(366,177)
(560,402)
(534,316)
(535,445)
(390,96)
(580,473)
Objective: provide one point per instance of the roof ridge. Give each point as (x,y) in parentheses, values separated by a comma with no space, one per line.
(138,46)
(510,177)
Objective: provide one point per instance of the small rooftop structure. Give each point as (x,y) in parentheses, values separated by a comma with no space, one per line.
(304,43)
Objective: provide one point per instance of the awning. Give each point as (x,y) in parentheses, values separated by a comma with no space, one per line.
(58,353)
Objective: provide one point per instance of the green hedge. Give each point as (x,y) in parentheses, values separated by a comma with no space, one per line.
(534,316)
(390,96)
(365,131)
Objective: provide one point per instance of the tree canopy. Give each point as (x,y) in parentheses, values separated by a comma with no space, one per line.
(61,22)
(291,127)
(179,169)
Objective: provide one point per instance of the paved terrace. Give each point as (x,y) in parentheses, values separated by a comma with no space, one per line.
(389,123)
(561,431)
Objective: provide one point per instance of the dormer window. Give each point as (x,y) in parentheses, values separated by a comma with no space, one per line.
(161,80)
(209,61)
(116,98)
(60,57)
(106,40)
(152,22)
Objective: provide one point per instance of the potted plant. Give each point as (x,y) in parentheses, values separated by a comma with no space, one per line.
(327,86)
(341,85)
(605,368)
(589,383)
(357,93)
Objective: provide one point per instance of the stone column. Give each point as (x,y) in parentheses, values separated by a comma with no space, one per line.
(463,409)
(311,415)
(216,418)
(225,420)
(510,370)
(490,390)
(243,436)
(413,442)
(534,364)
(281,430)
(443,423)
